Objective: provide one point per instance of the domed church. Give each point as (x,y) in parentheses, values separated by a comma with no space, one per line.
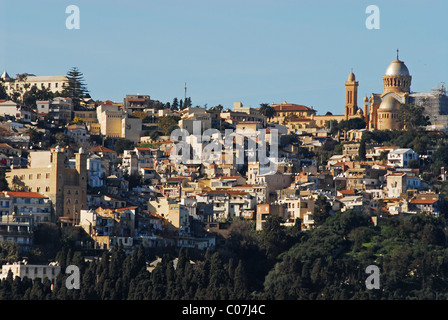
(382,110)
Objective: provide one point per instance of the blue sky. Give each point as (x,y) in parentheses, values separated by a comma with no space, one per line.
(253,51)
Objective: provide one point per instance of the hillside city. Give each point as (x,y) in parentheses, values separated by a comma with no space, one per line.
(83,179)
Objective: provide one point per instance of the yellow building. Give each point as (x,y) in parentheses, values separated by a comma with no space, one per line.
(286,111)
(115,123)
(50,175)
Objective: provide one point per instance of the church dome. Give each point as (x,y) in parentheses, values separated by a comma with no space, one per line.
(397,68)
(390,104)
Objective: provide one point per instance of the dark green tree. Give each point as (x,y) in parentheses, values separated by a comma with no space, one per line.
(412,117)
(123,144)
(175,104)
(321,210)
(76,88)
(362,150)
(34,94)
(3,94)
(266,110)
(273,236)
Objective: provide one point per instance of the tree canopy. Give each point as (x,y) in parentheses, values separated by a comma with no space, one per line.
(76,88)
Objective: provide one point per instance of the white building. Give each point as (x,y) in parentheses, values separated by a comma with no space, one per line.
(400,157)
(31,271)
(78,132)
(53,83)
(11,109)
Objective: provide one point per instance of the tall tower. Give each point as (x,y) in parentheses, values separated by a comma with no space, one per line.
(56,182)
(81,197)
(351,96)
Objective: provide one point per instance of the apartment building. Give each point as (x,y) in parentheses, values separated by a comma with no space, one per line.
(115,123)
(136,103)
(60,109)
(175,213)
(49,174)
(301,207)
(20,214)
(108,227)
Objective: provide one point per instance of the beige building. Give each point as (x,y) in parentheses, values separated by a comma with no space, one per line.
(300,208)
(115,123)
(195,116)
(266,210)
(286,111)
(396,184)
(240,113)
(50,175)
(53,83)
(87,116)
(175,213)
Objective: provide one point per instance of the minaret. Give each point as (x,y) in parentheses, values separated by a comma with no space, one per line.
(351,96)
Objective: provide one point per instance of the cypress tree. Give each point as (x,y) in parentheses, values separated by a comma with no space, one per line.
(240,291)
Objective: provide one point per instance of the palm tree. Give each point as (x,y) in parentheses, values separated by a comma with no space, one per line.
(266,110)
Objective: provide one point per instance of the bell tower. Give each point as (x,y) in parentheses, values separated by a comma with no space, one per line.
(351,96)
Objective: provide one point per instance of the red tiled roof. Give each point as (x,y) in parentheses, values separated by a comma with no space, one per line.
(236,193)
(423,201)
(107,102)
(291,107)
(23,194)
(347,191)
(126,208)
(300,120)
(142,148)
(229,177)
(101,149)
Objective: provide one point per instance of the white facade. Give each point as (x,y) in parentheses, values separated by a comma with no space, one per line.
(400,157)
(17,111)
(53,83)
(32,271)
